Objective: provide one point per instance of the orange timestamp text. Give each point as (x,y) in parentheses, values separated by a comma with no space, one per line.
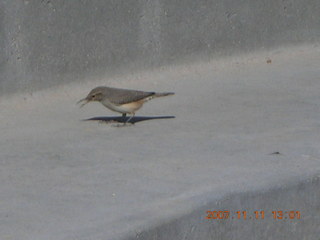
(258,214)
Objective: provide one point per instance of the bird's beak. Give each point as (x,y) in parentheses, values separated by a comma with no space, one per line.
(84,101)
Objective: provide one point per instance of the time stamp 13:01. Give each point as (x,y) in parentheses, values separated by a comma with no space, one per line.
(258,214)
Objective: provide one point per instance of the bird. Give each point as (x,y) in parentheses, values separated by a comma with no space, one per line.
(124,101)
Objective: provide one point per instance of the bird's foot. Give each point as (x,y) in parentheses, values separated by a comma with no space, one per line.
(106,122)
(123,124)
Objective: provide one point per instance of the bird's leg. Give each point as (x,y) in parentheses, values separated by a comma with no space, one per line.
(124,117)
(123,121)
(130,118)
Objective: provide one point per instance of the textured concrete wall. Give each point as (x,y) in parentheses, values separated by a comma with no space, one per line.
(44,42)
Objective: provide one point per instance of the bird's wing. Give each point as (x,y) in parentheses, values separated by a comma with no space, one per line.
(123,96)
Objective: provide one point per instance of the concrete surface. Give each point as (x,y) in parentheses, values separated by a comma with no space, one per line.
(63,178)
(45,43)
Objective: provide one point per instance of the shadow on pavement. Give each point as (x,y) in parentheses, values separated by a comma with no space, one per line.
(132,121)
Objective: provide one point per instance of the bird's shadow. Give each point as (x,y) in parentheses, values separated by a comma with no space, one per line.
(121,119)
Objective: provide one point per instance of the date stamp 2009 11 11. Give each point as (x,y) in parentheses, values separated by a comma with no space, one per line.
(259,214)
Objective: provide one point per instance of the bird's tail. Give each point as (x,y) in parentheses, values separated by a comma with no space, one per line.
(163,94)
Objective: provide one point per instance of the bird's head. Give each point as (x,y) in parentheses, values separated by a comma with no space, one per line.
(96,94)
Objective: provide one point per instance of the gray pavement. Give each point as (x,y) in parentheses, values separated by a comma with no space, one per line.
(63,178)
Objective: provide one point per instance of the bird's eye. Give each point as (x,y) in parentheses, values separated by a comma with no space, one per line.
(93,96)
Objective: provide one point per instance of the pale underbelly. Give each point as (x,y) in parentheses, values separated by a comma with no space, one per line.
(124,108)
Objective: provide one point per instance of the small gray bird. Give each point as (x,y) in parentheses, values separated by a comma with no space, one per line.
(124,101)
